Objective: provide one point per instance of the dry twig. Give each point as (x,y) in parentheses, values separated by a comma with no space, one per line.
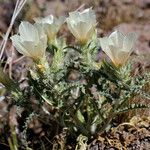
(18,7)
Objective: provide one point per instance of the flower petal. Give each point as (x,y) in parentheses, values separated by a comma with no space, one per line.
(129,41)
(88,14)
(116,38)
(28,32)
(18,45)
(104,43)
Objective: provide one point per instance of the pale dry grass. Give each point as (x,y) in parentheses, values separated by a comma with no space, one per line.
(18,7)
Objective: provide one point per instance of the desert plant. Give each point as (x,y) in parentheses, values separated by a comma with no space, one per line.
(84,94)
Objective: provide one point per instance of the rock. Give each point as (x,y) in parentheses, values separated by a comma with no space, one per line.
(143,3)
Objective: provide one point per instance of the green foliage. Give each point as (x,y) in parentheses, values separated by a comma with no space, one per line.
(85,98)
(83,95)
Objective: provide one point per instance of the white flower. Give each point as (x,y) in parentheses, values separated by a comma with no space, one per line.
(31,41)
(51,25)
(118,46)
(82,24)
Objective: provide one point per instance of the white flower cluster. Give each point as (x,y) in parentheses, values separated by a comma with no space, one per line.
(32,40)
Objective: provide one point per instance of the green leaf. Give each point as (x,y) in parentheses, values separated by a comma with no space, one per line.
(74,48)
(80,116)
(132,107)
(110,72)
(51,49)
